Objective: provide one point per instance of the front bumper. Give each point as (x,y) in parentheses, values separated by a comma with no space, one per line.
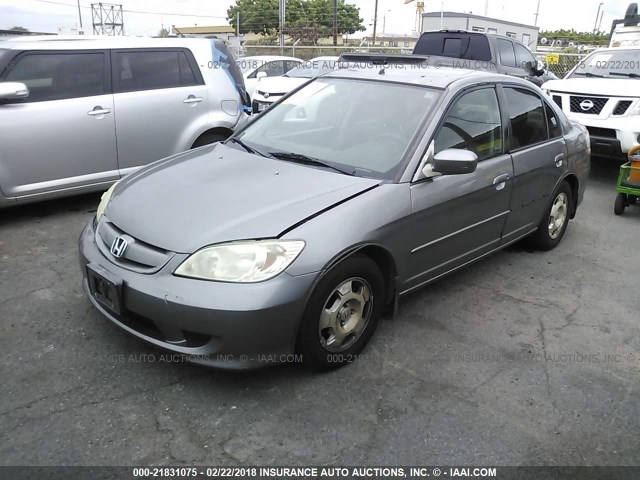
(227,325)
(610,137)
(260,105)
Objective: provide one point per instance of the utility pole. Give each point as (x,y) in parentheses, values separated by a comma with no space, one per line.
(600,22)
(79,14)
(595,25)
(335,23)
(537,12)
(238,25)
(375,23)
(283,6)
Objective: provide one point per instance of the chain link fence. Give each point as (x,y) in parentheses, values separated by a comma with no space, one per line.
(558,63)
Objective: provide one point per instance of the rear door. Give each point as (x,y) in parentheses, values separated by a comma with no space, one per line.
(507,58)
(63,134)
(457,218)
(539,155)
(160,99)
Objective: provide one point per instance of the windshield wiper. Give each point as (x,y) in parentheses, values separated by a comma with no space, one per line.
(589,74)
(625,74)
(247,147)
(305,160)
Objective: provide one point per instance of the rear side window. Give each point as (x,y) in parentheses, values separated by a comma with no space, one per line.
(136,70)
(457,45)
(473,123)
(58,76)
(528,122)
(507,55)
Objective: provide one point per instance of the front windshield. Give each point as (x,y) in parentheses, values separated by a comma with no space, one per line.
(313,68)
(360,126)
(610,64)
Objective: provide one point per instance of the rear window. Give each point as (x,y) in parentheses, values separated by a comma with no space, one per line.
(455,45)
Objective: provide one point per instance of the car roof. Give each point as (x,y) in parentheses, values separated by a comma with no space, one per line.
(59,42)
(424,75)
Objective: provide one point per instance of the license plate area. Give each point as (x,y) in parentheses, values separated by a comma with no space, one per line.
(105,287)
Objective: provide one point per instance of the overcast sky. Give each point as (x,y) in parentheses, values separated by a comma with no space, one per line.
(145,17)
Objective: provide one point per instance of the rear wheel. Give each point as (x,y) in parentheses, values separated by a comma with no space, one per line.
(554,224)
(342,314)
(621,203)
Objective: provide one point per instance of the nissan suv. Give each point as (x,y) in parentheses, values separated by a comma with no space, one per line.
(78,115)
(602,93)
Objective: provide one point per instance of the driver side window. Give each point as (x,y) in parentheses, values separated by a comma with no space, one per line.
(473,123)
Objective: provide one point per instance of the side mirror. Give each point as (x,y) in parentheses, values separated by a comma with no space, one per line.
(12,91)
(454,161)
(261,75)
(537,68)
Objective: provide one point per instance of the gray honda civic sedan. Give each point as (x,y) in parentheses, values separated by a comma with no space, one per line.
(295,235)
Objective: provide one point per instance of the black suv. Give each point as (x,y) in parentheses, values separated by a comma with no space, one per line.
(482,51)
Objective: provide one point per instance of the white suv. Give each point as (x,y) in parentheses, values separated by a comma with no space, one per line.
(603,93)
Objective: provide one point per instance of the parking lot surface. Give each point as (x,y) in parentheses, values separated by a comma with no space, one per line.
(525,358)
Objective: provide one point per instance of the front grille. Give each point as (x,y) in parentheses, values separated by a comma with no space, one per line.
(622,107)
(594,104)
(138,255)
(601,132)
(558,100)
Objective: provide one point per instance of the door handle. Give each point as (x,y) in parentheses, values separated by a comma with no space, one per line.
(501,180)
(99,111)
(192,99)
(559,159)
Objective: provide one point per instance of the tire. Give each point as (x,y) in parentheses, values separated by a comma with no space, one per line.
(208,138)
(337,326)
(550,231)
(621,203)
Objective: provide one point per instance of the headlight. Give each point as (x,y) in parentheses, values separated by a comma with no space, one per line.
(244,262)
(636,109)
(104,201)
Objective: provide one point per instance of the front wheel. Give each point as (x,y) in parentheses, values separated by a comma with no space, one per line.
(554,224)
(342,314)
(621,203)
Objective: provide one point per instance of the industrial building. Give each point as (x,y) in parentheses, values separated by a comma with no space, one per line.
(527,34)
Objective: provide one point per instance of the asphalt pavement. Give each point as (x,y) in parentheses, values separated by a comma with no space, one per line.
(525,358)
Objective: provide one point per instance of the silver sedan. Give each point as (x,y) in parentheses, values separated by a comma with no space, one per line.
(296,234)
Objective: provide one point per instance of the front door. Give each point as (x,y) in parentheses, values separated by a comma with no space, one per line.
(63,134)
(457,218)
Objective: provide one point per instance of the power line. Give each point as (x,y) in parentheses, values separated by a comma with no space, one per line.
(135,11)
(273,16)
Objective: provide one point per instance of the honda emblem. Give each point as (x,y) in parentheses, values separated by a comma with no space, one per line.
(119,246)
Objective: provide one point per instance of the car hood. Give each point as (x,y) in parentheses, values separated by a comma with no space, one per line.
(622,87)
(275,85)
(218,193)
